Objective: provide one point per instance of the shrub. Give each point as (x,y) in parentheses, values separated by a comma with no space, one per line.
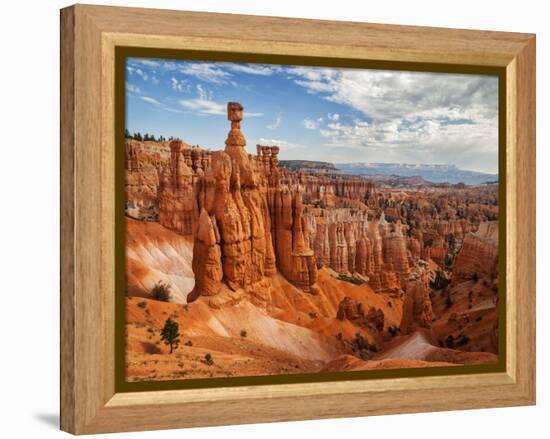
(450,342)
(208,359)
(351,279)
(462,340)
(393,330)
(161,292)
(243,333)
(142,304)
(362,348)
(188,343)
(439,282)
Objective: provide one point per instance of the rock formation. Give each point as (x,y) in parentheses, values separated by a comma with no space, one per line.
(417,306)
(207,255)
(478,256)
(349,309)
(352,310)
(253,222)
(178,206)
(143,163)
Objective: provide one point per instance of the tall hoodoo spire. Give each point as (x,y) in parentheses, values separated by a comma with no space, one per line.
(235,138)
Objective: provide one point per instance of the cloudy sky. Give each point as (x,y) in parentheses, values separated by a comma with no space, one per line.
(317,113)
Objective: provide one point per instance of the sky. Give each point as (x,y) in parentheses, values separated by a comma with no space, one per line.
(317,113)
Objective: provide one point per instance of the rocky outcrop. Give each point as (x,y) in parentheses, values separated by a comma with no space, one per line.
(478,256)
(294,254)
(328,190)
(207,255)
(350,309)
(143,162)
(417,305)
(395,252)
(178,205)
(364,257)
(375,319)
(347,242)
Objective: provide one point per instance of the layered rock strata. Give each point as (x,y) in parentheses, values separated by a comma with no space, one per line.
(478,256)
(417,305)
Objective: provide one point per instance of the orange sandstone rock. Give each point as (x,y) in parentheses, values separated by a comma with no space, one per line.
(478,255)
(207,254)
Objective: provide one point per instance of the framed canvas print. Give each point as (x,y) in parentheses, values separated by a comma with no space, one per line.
(273,219)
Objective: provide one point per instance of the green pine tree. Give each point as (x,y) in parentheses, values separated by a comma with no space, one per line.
(170,334)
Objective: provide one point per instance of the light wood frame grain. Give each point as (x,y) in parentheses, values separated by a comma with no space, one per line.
(89,36)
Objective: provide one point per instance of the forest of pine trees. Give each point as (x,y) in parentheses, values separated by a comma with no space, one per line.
(145,137)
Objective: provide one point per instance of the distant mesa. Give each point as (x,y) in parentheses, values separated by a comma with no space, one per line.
(310,166)
(434,173)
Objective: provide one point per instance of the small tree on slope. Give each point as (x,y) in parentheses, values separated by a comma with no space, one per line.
(170,334)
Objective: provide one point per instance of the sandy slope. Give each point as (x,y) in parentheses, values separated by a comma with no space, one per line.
(476,318)
(155,253)
(418,346)
(345,363)
(270,345)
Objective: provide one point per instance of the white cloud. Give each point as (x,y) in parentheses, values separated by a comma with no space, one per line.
(388,94)
(203,93)
(283,144)
(203,106)
(159,106)
(253,69)
(131,88)
(152,65)
(151,101)
(137,71)
(206,72)
(147,63)
(181,86)
(424,117)
(311,124)
(275,124)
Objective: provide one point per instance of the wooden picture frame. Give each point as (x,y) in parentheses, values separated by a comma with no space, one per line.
(90,36)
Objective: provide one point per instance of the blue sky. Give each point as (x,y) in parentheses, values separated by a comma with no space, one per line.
(317,113)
